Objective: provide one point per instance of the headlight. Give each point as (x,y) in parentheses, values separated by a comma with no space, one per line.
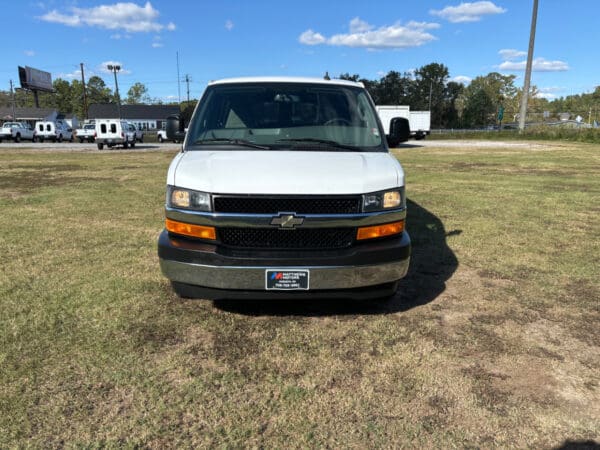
(188,199)
(381,201)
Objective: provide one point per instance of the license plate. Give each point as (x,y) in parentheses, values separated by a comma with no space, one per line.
(287,280)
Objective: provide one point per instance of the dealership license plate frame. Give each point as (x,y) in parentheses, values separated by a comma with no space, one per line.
(289,280)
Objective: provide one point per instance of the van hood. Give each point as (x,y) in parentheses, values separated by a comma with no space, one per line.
(285,172)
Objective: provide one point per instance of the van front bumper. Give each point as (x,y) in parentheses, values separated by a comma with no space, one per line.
(212,266)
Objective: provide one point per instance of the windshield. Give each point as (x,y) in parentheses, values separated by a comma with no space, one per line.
(304,116)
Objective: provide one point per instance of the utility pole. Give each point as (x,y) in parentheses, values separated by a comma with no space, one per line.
(12,94)
(523,111)
(178,81)
(187,81)
(430,92)
(85,108)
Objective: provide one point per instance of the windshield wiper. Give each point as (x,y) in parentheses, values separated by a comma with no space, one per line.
(328,142)
(242,142)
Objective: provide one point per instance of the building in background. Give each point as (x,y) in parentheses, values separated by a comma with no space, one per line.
(144,117)
(30,115)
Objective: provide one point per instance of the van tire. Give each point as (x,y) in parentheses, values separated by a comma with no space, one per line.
(132,144)
(18,138)
(160,139)
(81,140)
(125,144)
(100,146)
(59,138)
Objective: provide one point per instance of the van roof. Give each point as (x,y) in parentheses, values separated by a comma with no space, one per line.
(285,80)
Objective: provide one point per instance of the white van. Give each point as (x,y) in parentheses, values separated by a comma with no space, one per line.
(285,187)
(112,132)
(53,131)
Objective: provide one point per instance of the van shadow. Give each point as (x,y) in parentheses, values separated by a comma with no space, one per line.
(432,264)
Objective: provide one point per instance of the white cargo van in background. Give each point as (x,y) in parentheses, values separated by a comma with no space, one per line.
(53,131)
(113,132)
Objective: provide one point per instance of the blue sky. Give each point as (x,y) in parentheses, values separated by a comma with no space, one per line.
(304,38)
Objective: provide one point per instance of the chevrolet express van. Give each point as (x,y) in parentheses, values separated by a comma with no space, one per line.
(285,188)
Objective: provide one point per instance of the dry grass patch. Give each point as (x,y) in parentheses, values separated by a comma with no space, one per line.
(492,341)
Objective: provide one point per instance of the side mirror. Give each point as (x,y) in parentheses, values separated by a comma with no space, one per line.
(175,128)
(399,131)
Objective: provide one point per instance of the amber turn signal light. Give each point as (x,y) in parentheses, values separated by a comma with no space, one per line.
(188,229)
(378,231)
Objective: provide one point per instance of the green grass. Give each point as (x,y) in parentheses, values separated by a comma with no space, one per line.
(493,340)
(536,133)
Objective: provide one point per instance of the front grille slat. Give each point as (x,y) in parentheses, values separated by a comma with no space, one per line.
(273,238)
(298,205)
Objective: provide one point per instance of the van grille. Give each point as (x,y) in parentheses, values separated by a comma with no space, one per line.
(301,239)
(298,205)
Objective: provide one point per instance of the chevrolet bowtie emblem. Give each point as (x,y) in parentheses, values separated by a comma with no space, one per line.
(287,220)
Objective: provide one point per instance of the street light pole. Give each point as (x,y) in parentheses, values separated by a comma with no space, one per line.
(114,70)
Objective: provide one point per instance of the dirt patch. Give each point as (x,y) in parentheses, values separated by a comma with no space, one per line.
(24,179)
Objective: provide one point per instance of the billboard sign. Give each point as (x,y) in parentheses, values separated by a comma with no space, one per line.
(34,79)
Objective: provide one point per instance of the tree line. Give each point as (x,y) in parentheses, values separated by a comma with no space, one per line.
(452,104)
(68,96)
(478,104)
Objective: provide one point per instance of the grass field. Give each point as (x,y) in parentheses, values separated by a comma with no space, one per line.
(493,340)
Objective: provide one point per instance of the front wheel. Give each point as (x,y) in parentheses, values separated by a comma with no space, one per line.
(132,144)
(81,140)
(125,144)
(160,139)
(60,138)
(18,138)
(100,146)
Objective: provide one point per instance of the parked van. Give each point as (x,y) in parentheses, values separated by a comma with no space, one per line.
(113,132)
(53,131)
(285,187)
(138,134)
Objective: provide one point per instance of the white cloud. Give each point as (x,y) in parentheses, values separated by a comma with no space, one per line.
(118,36)
(550,92)
(467,12)
(157,45)
(126,16)
(29,53)
(364,35)
(76,74)
(539,65)
(102,68)
(546,95)
(229,25)
(309,37)
(357,25)
(510,54)
(462,79)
